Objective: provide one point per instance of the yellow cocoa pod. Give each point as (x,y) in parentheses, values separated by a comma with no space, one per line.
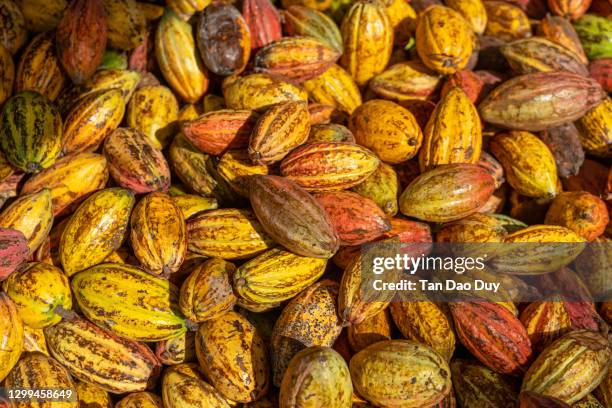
(529,165)
(313,4)
(276,275)
(212,103)
(334,87)
(191,204)
(444,40)
(400,373)
(36,371)
(227,233)
(32,214)
(91,120)
(506,21)
(186,8)
(259,92)
(387,129)
(233,356)
(96,229)
(382,187)
(40,292)
(34,340)
(70,179)
(279,130)
(7,74)
(39,68)
(92,396)
(183,387)
(453,133)
(11,335)
(158,234)
(154,111)
(367,34)
(317,377)
(596,129)
(473,235)
(330,132)
(427,323)
(207,292)
(236,168)
(406,81)
(473,11)
(372,330)
(178,59)
(402,18)
(126,23)
(177,350)
(110,295)
(140,400)
(42,15)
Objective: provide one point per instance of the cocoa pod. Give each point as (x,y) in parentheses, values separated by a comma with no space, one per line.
(372,330)
(13,34)
(7,74)
(564,143)
(11,335)
(572,9)
(134,162)
(32,215)
(595,33)
(177,350)
(42,15)
(236,169)
(192,204)
(382,187)
(305,21)
(292,217)
(329,166)
(506,21)
(186,8)
(493,167)
(81,38)
(259,92)
(596,129)
(601,70)
(473,11)
(153,110)
(580,211)
(223,39)
(13,251)
(405,81)
(182,384)
(528,399)
(560,31)
(335,87)
(126,23)
(469,82)
(543,104)
(536,54)
(93,396)
(330,132)
(263,20)
(476,385)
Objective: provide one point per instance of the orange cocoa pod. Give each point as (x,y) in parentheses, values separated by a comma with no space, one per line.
(601,70)
(572,9)
(469,82)
(580,211)
(560,31)
(372,330)
(505,21)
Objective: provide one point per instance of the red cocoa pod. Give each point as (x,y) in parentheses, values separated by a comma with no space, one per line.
(355,218)
(218,131)
(528,399)
(469,82)
(564,143)
(81,39)
(601,70)
(291,216)
(134,163)
(493,335)
(13,251)
(263,20)
(414,237)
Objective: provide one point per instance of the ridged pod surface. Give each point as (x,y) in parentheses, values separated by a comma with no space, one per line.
(13,251)
(317,377)
(382,186)
(30,131)
(493,335)
(207,292)
(292,217)
(447,193)
(91,120)
(540,100)
(100,357)
(388,129)
(275,276)
(368,40)
(529,165)
(260,91)
(506,21)
(263,20)
(227,233)
(571,9)
(126,23)
(406,80)
(476,385)
(176,54)
(39,68)
(135,163)
(596,129)
(11,335)
(42,15)
(110,296)
(92,396)
(224,39)
(473,11)
(32,215)
(14,33)
(571,367)
(327,166)
(177,350)
(427,323)
(40,292)
(37,371)
(7,74)
(372,330)
(296,58)
(233,356)
(217,131)
(279,130)
(444,39)
(237,169)
(140,400)
(335,87)
(453,132)
(70,179)
(96,229)
(81,38)
(153,110)
(158,234)
(305,21)
(541,55)
(193,204)
(184,387)
(402,373)
(560,31)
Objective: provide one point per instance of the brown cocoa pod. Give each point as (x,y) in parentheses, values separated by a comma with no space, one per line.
(564,143)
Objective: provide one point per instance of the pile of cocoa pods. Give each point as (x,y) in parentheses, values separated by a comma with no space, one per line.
(187,189)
